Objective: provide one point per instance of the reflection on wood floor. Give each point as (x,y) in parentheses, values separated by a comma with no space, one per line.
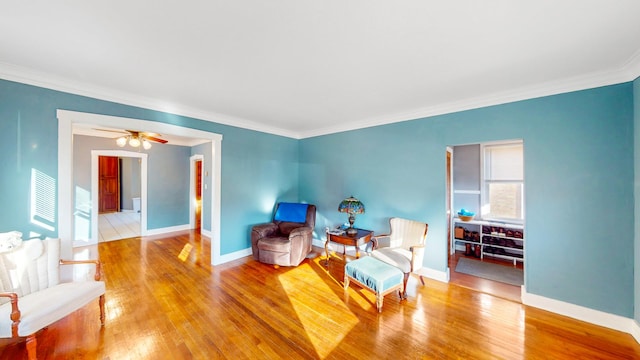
(165,301)
(118,225)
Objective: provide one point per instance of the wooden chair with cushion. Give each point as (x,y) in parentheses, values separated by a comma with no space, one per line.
(405,248)
(32,294)
(287,240)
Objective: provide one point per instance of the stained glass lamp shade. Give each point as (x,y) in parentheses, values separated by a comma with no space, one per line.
(351,206)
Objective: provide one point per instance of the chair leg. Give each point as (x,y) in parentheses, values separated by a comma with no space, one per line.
(101,301)
(404,287)
(421,280)
(32,344)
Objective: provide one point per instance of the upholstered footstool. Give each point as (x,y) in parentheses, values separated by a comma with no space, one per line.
(374,275)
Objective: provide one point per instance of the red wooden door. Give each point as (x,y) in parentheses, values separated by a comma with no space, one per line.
(198,190)
(108,184)
(450,250)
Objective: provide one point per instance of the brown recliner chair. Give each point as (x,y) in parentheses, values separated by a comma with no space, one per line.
(285,241)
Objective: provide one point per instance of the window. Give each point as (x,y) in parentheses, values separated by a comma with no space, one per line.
(503,182)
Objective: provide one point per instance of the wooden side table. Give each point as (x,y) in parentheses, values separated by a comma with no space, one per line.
(361,238)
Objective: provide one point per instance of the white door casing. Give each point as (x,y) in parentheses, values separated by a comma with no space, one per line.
(66,119)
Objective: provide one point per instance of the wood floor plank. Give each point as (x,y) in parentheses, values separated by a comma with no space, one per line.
(164,301)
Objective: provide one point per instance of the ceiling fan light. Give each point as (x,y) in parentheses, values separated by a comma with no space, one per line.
(134,142)
(146,144)
(121,141)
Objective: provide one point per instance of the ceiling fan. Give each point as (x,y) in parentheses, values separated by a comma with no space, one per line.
(136,138)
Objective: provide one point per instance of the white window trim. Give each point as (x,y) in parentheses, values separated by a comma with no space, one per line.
(483,181)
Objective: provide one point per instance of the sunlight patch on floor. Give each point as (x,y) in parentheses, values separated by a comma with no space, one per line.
(186,250)
(327,334)
(364,298)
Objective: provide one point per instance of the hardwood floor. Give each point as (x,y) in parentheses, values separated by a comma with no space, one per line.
(505,291)
(164,301)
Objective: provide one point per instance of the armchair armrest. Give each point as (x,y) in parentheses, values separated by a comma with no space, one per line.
(413,250)
(301,231)
(375,238)
(98,264)
(263,230)
(15,312)
(414,247)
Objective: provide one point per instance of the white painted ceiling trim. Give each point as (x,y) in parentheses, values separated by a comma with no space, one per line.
(629,71)
(303,69)
(27,76)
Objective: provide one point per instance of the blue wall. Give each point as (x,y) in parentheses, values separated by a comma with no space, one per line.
(578,185)
(579,178)
(168,186)
(258,170)
(255,166)
(636,162)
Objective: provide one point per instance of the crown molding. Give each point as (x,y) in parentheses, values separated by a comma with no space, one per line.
(632,66)
(31,77)
(628,72)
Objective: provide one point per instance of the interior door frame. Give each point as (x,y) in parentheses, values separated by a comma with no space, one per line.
(67,118)
(449,205)
(95,154)
(192,193)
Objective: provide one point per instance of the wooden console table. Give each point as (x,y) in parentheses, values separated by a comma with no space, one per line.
(361,238)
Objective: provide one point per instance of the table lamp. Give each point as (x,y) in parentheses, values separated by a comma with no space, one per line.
(351,206)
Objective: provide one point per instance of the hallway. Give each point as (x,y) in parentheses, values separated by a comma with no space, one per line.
(118,225)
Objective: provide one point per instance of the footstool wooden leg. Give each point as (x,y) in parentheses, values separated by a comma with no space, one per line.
(379,300)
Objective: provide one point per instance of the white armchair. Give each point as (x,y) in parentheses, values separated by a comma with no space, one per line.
(405,248)
(31,294)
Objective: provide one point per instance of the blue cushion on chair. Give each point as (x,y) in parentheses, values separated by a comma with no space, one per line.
(291,212)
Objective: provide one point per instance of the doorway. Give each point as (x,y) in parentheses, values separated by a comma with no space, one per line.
(486,249)
(66,191)
(130,224)
(196,191)
(118,198)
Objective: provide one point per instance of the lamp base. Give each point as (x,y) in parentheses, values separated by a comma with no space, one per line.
(351,231)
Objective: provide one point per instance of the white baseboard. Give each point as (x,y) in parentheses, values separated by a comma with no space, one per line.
(442,276)
(234,256)
(350,250)
(578,312)
(635,331)
(165,230)
(206,233)
(317,243)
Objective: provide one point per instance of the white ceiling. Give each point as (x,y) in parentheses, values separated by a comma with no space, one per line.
(302,68)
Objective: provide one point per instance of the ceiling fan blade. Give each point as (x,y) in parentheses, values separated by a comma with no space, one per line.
(156,139)
(113,131)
